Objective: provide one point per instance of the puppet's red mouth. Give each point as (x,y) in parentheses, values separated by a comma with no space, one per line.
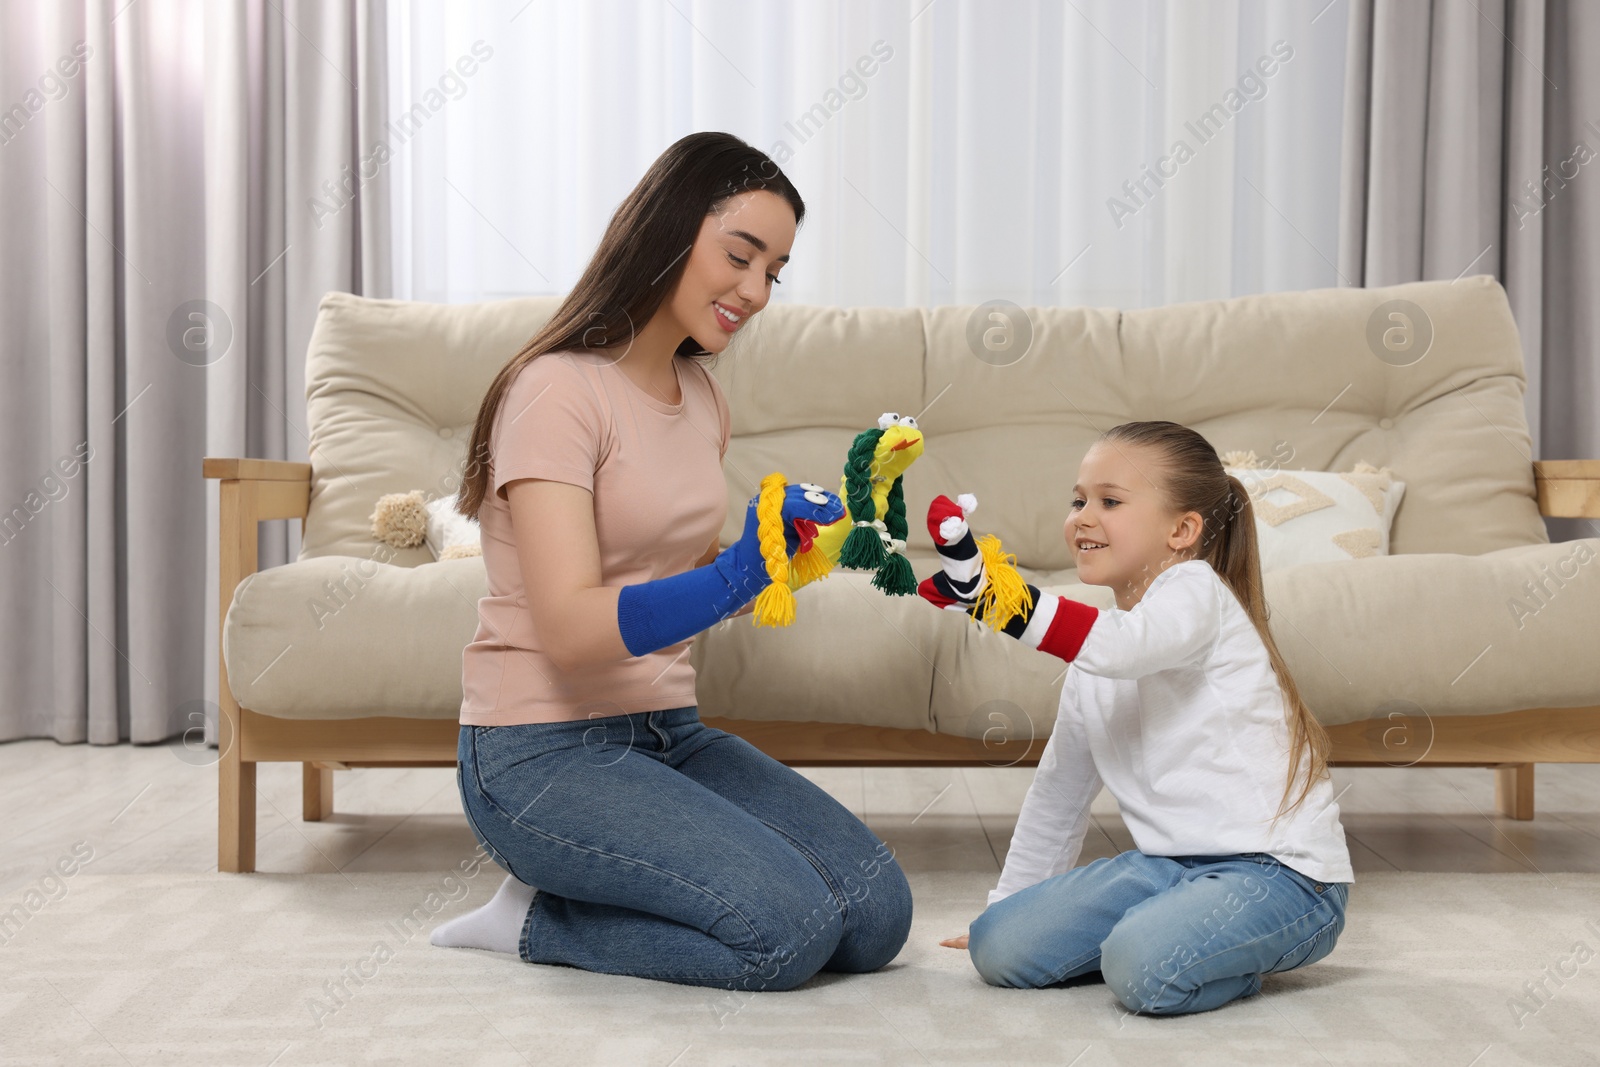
(807,529)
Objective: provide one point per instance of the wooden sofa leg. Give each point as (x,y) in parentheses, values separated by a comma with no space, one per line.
(236,815)
(1513,790)
(236,790)
(316,792)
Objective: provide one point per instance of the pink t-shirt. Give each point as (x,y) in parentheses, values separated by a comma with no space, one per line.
(655,470)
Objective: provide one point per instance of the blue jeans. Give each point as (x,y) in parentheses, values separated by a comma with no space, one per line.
(665,849)
(1169,934)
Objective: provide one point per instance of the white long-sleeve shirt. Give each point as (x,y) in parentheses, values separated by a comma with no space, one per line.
(1174,707)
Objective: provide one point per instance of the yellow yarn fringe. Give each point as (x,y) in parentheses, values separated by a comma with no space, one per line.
(1005,594)
(775,604)
(810,565)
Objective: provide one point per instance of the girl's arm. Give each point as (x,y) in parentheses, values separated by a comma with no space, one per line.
(1055,814)
(1171,627)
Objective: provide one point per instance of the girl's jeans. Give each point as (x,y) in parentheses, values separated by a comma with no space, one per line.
(1170,934)
(665,849)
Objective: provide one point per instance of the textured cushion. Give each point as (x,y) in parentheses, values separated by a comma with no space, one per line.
(1320,516)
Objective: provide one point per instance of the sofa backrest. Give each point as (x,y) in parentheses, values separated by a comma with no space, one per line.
(392,391)
(393,388)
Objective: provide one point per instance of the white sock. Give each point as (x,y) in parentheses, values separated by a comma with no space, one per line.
(495,927)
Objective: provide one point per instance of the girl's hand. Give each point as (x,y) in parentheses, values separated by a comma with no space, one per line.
(957,586)
(955,942)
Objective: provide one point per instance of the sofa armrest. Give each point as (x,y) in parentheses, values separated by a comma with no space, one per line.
(259,490)
(253,491)
(259,470)
(1568,488)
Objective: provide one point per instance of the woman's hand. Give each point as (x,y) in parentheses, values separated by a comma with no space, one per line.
(805,507)
(955,942)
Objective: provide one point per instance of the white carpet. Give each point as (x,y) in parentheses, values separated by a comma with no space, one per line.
(221,969)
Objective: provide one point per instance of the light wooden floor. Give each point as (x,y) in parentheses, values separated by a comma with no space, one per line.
(145,809)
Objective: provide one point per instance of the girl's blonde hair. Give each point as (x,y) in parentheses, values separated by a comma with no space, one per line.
(1190,475)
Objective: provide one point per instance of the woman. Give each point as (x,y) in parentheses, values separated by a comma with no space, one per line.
(641,841)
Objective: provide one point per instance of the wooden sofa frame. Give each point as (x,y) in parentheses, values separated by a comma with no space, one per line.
(258,490)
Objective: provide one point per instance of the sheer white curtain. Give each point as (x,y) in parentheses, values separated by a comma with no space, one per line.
(1111,153)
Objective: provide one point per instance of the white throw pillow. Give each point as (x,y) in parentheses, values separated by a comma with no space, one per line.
(1317,516)
(450,533)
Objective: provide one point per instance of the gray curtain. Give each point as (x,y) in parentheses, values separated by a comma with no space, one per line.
(1472,146)
(183,182)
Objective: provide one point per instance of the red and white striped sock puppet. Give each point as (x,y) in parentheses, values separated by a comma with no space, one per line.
(982,581)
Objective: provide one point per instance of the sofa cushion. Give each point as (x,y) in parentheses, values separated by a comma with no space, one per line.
(1301,368)
(340,637)
(392,391)
(1319,516)
(1287,375)
(1423,634)
(393,388)
(344,637)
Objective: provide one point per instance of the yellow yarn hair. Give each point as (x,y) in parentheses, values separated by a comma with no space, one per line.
(775,604)
(1005,594)
(810,565)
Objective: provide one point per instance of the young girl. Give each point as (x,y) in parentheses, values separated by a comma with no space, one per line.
(1179,703)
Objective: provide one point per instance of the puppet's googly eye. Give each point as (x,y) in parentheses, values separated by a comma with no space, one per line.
(909,422)
(817,496)
(888,419)
(811,487)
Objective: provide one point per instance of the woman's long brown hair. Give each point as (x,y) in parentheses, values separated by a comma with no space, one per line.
(639,261)
(1190,474)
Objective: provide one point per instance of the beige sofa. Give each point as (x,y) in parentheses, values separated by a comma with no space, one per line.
(351,655)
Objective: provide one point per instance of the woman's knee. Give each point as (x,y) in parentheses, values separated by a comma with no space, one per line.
(878,902)
(894,922)
(882,900)
(790,951)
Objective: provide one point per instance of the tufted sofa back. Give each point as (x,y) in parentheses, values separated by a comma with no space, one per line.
(393,388)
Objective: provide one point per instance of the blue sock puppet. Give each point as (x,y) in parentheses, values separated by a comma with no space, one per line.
(652,615)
